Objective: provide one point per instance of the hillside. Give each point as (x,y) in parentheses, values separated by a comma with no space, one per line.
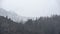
(43,25)
(12,15)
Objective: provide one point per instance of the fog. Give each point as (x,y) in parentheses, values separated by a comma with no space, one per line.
(32,8)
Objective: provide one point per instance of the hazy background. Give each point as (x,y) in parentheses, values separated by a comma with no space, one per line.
(32,8)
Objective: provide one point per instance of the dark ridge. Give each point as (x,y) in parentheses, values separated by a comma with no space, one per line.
(43,25)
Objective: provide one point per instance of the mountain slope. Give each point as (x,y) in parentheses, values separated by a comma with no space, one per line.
(12,15)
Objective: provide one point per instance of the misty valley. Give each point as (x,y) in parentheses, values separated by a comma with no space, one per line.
(29,16)
(42,25)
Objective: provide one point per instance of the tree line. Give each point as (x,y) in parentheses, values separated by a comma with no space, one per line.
(43,25)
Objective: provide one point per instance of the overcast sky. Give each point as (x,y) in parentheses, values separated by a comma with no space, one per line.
(32,8)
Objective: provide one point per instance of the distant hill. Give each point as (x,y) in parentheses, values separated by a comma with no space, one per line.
(12,15)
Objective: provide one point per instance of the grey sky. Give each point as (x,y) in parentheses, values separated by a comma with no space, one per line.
(0,2)
(32,8)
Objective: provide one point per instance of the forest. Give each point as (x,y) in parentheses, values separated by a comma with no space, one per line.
(43,25)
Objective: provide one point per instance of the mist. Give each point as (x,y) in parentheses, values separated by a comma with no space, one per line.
(30,16)
(32,8)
